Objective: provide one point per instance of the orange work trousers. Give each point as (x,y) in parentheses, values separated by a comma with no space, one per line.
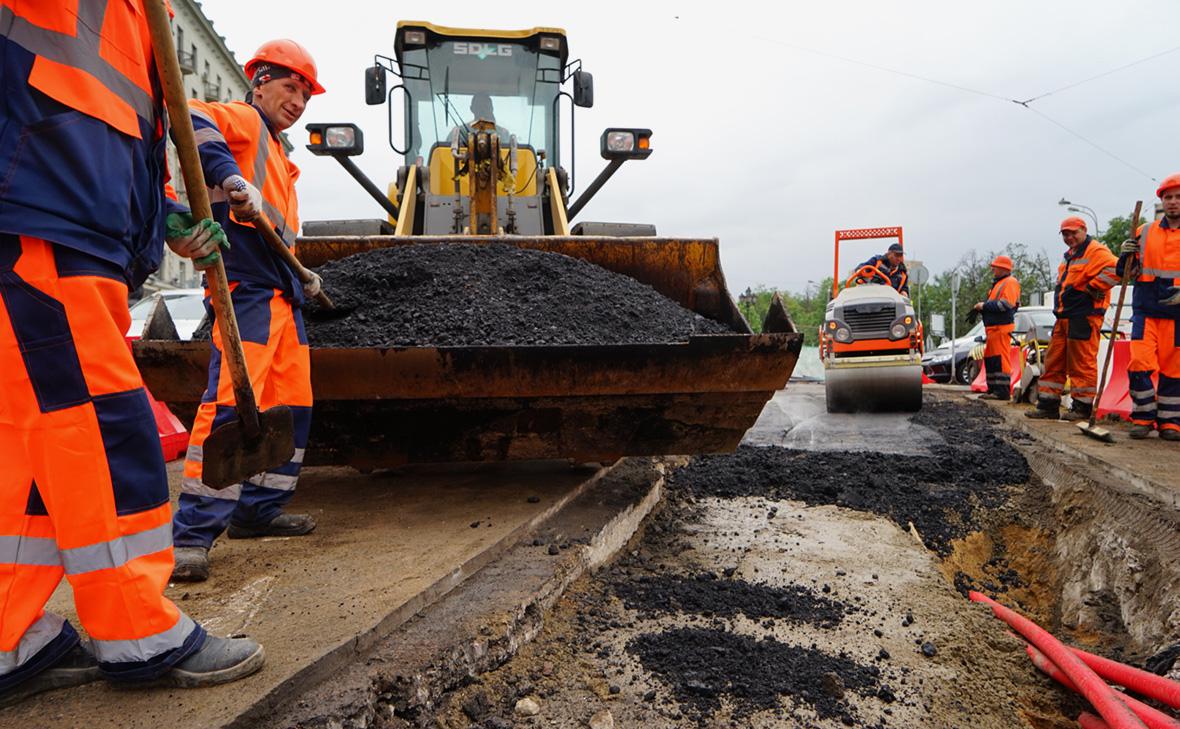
(83,490)
(1155,347)
(1072,354)
(997,359)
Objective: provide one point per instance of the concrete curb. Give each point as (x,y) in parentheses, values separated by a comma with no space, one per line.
(475,627)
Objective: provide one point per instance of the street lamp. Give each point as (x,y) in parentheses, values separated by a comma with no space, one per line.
(1079,208)
(747,299)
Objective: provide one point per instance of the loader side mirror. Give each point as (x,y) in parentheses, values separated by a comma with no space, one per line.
(375,85)
(583,89)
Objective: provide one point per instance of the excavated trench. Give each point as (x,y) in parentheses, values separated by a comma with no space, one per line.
(758,597)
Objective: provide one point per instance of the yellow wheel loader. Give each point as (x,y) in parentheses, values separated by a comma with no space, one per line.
(482,161)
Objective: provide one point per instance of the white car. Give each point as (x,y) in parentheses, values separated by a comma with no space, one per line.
(186,306)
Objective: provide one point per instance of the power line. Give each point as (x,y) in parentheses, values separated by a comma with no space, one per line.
(967,89)
(1075,84)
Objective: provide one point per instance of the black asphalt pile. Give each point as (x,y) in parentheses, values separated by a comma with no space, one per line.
(938,494)
(703,667)
(705,594)
(494,294)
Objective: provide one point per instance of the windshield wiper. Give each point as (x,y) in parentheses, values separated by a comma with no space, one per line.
(446,99)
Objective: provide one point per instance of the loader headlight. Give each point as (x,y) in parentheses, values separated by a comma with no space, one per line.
(334,139)
(897,331)
(626,143)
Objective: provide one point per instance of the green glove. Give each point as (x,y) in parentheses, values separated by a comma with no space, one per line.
(199,240)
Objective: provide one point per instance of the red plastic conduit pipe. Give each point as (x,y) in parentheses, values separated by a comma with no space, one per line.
(1086,720)
(1140,681)
(1152,717)
(1102,697)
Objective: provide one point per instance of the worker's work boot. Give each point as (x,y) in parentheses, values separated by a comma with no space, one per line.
(75,668)
(220,660)
(1140,431)
(1040,414)
(993,396)
(192,564)
(1076,414)
(283,525)
(1170,434)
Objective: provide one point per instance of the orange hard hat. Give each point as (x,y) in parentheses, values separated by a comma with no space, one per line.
(1003,262)
(288,54)
(1073,223)
(1169,182)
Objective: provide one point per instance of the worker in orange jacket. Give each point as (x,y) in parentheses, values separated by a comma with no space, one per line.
(999,319)
(252,179)
(1155,319)
(1084,280)
(83,490)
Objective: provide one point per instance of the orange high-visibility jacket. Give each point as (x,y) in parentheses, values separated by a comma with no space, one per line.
(235,138)
(1002,302)
(1088,268)
(1159,256)
(82,129)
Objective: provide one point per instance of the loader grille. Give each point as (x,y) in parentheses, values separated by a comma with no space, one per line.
(869,323)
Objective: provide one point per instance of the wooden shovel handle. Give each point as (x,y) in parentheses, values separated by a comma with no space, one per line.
(267,231)
(194,182)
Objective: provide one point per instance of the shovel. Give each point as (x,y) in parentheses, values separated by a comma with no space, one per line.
(267,231)
(1090,429)
(255,442)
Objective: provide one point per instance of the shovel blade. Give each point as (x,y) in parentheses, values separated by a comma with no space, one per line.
(230,457)
(1096,432)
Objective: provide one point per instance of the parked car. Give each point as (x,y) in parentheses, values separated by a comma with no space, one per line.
(936,363)
(186,306)
(1035,320)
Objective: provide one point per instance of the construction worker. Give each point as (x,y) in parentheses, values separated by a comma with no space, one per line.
(1155,332)
(250,174)
(999,317)
(892,269)
(83,490)
(1084,280)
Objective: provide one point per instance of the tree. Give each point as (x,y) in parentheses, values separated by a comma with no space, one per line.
(1117,231)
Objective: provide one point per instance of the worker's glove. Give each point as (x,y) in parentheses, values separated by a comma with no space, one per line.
(1174,297)
(198,240)
(1130,245)
(314,286)
(244,199)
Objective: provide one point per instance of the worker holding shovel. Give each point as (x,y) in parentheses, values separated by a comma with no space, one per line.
(1155,319)
(252,182)
(83,490)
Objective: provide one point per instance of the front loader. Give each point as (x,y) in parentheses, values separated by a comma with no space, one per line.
(482,162)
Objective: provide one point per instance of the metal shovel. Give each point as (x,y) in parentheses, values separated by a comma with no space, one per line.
(255,442)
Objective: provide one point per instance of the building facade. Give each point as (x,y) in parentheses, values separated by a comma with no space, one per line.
(211,73)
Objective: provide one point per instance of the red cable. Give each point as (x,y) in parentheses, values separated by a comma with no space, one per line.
(1086,720)
(1101,696)
(1152,717)
(1138,680)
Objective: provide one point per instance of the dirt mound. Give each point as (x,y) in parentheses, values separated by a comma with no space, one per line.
(705,594)
(494,294)
(703,665)
(938,494)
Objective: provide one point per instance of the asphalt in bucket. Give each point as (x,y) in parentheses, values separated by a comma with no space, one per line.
(452,294)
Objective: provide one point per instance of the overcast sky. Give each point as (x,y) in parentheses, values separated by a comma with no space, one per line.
(769,146)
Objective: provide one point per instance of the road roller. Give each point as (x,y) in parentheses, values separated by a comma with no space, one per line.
(870,341)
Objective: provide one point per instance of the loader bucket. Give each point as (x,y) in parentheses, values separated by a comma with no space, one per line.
(382,407)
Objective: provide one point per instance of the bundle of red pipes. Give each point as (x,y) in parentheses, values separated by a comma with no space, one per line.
(1085,673)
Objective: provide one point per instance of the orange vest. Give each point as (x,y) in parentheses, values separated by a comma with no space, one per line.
(1159,256)
(1002,302)
(1092,267)
(94,56)
(261,158)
